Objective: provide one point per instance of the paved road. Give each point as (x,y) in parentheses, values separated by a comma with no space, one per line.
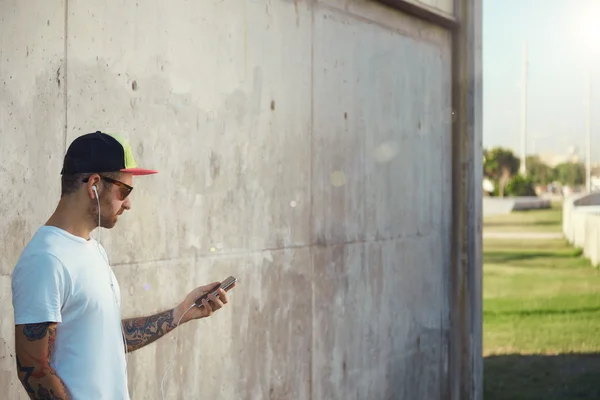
(522,235)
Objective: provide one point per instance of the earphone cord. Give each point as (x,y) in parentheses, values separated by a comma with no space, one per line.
(162,389)
(110,279)
(123,333)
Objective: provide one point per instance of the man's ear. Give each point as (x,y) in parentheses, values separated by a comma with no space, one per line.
(93,182)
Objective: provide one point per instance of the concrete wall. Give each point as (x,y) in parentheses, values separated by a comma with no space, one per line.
(444,7)
(505,205)
(581,224)
(304,147)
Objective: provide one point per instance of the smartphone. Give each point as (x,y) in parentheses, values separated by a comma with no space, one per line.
(226,284)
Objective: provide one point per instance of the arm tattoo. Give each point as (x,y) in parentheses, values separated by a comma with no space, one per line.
(33,362)
(35,332)
(45,394)
(28,371)
(51,340)
(140,332)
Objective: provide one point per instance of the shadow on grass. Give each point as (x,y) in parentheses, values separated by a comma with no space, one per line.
(500,257)
(542,312)
(525,377)
(491,224)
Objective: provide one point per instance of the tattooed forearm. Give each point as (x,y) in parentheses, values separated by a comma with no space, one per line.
(49,385)
(24,375)
(45,394)
(140,332)
(34,345)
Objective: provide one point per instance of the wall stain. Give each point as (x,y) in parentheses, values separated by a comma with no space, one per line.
(215,165)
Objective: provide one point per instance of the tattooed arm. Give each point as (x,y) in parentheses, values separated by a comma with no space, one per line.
(140,332)
(34,344)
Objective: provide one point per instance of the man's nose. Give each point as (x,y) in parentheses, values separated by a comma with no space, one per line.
(127,203)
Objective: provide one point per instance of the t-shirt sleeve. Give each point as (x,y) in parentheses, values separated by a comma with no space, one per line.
(39,289)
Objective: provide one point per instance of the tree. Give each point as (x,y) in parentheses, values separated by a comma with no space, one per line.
(520,186)
(569,173)
(500,165)
(538,172)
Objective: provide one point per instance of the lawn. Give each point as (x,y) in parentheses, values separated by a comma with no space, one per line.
(541,314)
(527,221)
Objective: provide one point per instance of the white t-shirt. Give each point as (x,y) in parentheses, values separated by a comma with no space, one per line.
(64,278)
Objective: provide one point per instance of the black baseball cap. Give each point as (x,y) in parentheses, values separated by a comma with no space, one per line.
(101,152)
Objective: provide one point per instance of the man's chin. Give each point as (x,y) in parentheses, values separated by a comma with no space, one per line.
(109,224)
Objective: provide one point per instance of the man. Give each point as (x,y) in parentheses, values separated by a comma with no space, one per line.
(69,335)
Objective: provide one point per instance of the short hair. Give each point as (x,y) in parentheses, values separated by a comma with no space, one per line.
(70,183)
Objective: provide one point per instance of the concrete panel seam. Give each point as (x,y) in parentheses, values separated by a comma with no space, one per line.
(65,73)
(312,369)
(273,249)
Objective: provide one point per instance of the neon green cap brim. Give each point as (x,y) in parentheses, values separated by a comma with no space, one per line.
(130,164)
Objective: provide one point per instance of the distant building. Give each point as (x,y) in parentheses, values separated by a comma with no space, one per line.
(552,159)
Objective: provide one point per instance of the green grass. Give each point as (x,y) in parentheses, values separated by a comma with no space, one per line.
(541,315)
(549,220)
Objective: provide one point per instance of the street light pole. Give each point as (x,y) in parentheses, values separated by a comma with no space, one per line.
(588,141)
(524,114)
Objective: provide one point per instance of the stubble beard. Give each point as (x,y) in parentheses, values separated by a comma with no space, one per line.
(107,217)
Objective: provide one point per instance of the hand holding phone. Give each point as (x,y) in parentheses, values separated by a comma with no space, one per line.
(225,285)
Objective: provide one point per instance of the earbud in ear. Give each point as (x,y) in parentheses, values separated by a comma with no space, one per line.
(95,190)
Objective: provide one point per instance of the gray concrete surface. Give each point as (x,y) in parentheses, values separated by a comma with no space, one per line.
(304,147)
(581,224)
(522,235)
(506,205)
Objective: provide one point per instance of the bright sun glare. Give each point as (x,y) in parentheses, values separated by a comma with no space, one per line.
(589,29)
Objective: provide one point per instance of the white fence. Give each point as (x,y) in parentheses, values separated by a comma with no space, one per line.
(581,224)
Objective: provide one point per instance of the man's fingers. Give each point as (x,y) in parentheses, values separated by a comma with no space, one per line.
(207,307)
(223,296)
(217,303)
(215,299)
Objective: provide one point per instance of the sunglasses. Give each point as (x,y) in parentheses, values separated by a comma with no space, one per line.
(124,189)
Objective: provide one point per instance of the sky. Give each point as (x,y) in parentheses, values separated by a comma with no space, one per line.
(562,55)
